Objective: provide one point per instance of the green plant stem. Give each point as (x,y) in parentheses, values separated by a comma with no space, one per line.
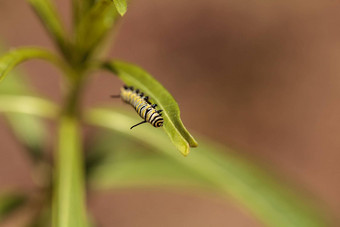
(71,107)
(69,193)
(76,12)
(48,14)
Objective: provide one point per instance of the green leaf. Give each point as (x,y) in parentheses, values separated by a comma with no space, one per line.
(28,105)
(141,172)
(77,11)
(68,208)
(22,113)
(10,202)
(15,84)
(222,170)
(133,75)
(50,19)
(115,160)
(121,6)
(42,218)
(11,59)
(80,8)
(94,26)
(28,129)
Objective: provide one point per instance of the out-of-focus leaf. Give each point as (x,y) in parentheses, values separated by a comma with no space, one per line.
(226,172)
(23,115)
(77,10)
(29,130)
(80,8)
(17,96)
(94,26)
(28,105)
(10,202)
(11,59)
(50,19)
(135,76)
(117,161)
(149,171)
(68,208)
(15,84)
(121,6)
(42,218)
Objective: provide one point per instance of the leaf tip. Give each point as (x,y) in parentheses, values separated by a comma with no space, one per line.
(184,150)
(191,140)
(122,12)
(193,143)
(121,6)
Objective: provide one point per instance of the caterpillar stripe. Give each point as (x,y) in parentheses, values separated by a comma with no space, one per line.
(143,107)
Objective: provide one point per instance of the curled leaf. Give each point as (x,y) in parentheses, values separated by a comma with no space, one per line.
(135,76)
(11,59)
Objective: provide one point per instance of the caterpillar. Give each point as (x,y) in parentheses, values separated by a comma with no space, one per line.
(141,104)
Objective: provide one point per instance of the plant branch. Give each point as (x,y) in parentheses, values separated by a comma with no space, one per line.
(68,209)
(50,18)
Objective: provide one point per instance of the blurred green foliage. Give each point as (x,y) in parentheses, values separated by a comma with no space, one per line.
(9,203)
(118,157)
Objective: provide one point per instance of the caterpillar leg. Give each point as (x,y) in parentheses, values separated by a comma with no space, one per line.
(138,124)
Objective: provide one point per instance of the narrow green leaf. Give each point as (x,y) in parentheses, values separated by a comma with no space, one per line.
(113,160)
(43,219)
(227,173)
(68,208)
(23,114)
(10,202)
(50,19)
(28,105)
(16,84)
(29,130)
(77,11)
(121,6)
(80,8)
(124,174)
(94,26)
(133,75)
(11,59)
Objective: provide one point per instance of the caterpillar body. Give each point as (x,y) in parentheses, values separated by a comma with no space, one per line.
(141,104)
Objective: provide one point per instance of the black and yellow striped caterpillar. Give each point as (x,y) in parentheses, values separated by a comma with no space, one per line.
(143,107)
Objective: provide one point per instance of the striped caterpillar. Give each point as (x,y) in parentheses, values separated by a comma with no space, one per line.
(141,104)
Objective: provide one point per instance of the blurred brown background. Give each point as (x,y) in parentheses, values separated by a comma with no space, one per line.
(260,76)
